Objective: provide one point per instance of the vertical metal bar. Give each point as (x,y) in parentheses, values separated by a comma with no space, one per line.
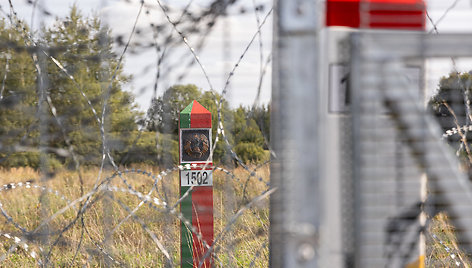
(356,111)
(383,105)
(108,196)
(295,205)
(42,83)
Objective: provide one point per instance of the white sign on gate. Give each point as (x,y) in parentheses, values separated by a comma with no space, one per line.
(339,95)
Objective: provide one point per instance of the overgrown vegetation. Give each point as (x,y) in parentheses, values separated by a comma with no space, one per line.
(245,241)
(451,107)
(246,129)
(73,96)
(78,90)
(442,249)
(56,90)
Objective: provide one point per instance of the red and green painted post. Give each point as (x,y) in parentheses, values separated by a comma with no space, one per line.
(197,207)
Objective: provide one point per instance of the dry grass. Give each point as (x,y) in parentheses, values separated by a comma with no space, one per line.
(242,245)
(101,230)
(442,249)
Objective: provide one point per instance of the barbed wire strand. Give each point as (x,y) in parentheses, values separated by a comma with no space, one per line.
(197,59)
(465,92)
(129,190)
(184,39)
(83,197)
(233,220)
(446,12)
(102,122)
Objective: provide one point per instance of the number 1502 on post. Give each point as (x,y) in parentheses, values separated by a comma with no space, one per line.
(196,178)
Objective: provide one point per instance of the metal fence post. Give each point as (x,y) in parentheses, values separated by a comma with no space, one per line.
(295,205)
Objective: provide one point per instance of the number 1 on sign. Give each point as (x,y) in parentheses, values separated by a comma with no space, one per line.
(196,178)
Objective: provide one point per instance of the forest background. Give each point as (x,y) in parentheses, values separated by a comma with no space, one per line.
(75,95)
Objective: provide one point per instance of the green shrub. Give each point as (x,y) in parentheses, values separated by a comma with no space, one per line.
(249,152)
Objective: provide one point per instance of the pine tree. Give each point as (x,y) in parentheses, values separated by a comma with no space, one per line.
(18,99)
(83,48)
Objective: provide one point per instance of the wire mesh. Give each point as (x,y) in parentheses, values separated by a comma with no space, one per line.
(89,151)
(89,163)
(377,166)
(402,166)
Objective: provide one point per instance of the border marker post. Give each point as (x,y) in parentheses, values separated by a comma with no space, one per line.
(196,180)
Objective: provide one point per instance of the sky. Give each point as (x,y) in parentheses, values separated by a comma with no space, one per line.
(223,46)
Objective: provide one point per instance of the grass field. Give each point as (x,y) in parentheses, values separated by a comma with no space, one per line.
(104,235)
(442,249)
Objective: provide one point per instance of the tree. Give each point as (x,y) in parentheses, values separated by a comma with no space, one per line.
(84,49)
(164,113)
(249,141)
(86,54)
(243,126)
(261,115)
(18,99)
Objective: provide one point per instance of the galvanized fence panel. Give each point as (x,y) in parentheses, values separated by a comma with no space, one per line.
(398,146)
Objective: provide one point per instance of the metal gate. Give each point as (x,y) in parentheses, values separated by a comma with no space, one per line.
(404,171)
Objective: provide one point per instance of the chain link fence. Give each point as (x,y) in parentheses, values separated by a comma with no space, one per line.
(370,130)
(89,105)
(358,156)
